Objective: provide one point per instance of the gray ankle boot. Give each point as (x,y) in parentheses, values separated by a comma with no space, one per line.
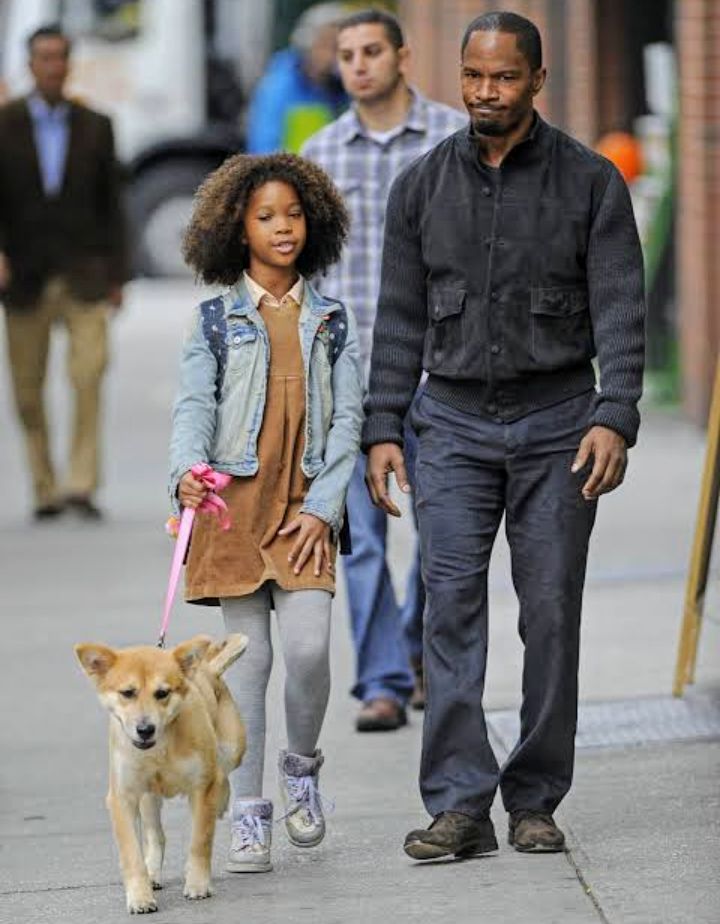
(250,836)
(304,820)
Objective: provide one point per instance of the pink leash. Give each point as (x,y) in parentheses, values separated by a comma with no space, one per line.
(215,481)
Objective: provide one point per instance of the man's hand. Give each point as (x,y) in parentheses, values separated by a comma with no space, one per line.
(609,453)
(5,272)
(382,459)
(313,539)
(191,492)
(115,297)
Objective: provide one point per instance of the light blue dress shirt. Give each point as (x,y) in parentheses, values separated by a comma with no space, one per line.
(52,133)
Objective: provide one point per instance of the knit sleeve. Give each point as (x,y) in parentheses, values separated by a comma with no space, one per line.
(616,290)
(399,331)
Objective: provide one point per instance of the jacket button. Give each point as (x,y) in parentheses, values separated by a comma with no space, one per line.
(486,191)
(492,408)
(494,295)
(437,310)
(495,349)
(236,339)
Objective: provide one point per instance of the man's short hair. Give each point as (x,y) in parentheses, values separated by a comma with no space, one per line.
(526,32)
(50,30)
(392,27)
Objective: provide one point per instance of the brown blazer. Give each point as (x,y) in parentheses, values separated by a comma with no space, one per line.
(80,233)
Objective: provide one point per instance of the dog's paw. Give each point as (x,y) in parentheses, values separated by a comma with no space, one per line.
(196,889)
(156,884)
(139,896)
(141,904)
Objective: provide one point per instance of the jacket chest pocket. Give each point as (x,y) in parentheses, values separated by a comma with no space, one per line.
(560,328)
(445,337)
(241,343)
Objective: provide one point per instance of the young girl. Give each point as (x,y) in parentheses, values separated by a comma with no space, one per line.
(270,392)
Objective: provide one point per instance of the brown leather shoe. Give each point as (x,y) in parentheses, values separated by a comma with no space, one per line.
(381,714)
(534,832)
(452,833)
(417,697)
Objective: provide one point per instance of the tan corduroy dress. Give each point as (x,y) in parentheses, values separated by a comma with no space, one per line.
(239,561)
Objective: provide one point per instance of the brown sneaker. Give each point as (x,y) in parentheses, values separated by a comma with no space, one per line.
(452,833)
(381,714)
(417,697)
(534,832)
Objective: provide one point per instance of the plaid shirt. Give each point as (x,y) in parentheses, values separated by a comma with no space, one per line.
(363,169)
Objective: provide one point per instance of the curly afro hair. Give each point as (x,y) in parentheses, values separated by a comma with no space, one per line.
(212,244)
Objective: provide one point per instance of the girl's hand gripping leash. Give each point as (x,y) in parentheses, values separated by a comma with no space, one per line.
(214,481)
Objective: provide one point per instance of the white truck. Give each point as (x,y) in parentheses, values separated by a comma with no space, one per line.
(173,74)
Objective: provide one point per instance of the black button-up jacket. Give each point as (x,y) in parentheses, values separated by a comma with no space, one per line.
(504,283)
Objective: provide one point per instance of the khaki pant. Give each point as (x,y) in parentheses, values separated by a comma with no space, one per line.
(28,339)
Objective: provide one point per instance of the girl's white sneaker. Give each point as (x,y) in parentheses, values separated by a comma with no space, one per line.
(298,778)
(250,836)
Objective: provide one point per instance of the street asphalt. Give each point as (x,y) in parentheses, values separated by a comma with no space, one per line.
(642,819)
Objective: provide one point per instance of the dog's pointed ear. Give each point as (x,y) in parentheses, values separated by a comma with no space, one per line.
(189,654)
(96,660)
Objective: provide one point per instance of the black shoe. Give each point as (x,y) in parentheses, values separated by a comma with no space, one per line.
(83,507)
(534,832)
(452,833)
(47,511)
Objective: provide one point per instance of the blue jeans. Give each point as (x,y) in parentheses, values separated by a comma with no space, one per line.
(385,635)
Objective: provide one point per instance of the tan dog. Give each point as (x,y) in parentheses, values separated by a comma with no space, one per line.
(174,730)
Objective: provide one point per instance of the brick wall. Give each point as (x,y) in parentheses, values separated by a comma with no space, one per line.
(611,91)
(698,221)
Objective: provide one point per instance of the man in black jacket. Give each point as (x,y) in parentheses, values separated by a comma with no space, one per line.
(511,259)
(62,260)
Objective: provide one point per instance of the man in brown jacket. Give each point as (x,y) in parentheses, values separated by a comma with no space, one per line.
(62,259)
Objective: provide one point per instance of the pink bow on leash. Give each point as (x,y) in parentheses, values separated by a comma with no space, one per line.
(212,503)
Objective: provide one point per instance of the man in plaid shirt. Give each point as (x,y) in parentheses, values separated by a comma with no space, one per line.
(389,126)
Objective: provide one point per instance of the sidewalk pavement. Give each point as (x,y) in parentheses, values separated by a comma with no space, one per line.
(642,819)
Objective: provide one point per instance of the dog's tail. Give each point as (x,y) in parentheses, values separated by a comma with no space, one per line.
(220,655)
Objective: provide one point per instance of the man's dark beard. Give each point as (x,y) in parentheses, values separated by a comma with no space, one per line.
(491,128)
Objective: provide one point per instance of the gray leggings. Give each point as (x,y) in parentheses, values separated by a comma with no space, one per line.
(303,618)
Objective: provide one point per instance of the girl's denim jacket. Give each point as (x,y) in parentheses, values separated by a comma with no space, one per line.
(221,399)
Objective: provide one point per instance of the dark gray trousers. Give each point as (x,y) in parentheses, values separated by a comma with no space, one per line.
(470,471)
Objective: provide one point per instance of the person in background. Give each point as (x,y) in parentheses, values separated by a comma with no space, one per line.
(62,260)
(389,125)
(511,259)
(300,90)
